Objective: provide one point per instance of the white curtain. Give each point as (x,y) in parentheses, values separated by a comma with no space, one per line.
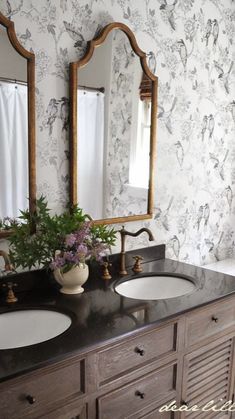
(13,149)
(91,152)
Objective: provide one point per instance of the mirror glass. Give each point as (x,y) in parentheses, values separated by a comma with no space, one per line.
(14,172)
(114,97)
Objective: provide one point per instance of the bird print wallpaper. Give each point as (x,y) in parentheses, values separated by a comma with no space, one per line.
(190,47)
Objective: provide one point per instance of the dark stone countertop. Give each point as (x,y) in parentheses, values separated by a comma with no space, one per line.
(100,315)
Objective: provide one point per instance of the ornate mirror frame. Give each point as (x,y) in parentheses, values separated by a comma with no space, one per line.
(74,66)
(30,57)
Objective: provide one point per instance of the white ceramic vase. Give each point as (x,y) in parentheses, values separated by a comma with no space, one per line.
(72,280)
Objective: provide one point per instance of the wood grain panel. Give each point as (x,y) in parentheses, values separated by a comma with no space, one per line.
(74,410)
(48,387)
(129,400)
(113,362)
(210,321)
(207,377)
(154,414)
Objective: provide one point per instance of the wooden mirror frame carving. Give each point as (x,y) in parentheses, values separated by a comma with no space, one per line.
(73,70)
(30,57)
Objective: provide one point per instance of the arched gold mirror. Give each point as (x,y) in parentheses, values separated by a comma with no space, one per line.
(113,116)
(17,127)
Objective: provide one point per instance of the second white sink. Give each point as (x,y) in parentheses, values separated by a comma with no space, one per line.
(27,327)
(158,287)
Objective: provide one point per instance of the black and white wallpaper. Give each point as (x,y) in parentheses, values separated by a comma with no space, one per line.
(190,46)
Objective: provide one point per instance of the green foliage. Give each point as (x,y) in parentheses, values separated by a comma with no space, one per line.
(105,235)
(37,249)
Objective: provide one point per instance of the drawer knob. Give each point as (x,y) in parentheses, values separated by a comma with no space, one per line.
(214,319)
(140,394)
(140,351)
(30,399)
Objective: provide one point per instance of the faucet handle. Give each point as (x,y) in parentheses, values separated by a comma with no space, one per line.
(106,274)
(11,298)
(137,266)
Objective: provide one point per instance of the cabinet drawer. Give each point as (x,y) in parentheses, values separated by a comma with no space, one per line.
(209,321)
(132,398)
(74,410)
(134,353)
(47,387)
(154,413)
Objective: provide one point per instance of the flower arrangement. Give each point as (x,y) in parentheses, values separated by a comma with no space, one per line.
(79,246)
(55,241)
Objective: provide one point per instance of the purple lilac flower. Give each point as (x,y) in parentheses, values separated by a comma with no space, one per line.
(69,256)
(70,240)
(82,234)
(79,246)
(82,252)
(57,263)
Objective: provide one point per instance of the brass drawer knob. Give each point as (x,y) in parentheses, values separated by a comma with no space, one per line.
(214,319)
(140,351)
(30,399)
(140,394)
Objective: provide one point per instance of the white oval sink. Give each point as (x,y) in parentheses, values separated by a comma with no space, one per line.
(158,287)
(27,327)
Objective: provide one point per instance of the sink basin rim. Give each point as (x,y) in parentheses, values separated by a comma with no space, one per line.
(147,274)
(62,314)
(155,274)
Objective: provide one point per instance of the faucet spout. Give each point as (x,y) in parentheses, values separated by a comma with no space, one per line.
(6,258)
(125,233)
(137,233)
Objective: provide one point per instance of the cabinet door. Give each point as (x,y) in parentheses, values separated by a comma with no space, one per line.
(207,377)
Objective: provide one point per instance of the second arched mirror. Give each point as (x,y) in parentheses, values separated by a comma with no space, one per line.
(17,128)
(113,97)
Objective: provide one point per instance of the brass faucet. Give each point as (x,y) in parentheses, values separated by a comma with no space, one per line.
(10,298)
(6,258)
(125,233)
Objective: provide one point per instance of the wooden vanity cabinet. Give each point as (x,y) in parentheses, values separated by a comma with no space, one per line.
(189,359)
(129,379)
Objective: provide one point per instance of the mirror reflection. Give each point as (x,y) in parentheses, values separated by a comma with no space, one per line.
(114,122)
(13,129)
